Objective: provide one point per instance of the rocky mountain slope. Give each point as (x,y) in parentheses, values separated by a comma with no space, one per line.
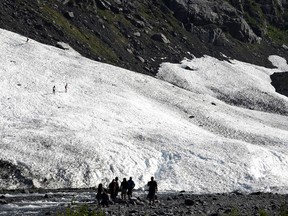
(149,32)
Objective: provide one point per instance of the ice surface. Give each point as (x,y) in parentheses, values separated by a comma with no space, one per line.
(202,125)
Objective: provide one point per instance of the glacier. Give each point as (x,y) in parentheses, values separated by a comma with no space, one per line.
(203,125)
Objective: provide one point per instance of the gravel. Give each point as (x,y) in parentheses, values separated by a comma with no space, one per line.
(56,202)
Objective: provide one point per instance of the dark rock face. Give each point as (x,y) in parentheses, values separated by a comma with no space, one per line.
(140,35)
(280,82)
(201,14)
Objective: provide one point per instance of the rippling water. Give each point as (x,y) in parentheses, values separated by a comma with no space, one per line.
(42,203)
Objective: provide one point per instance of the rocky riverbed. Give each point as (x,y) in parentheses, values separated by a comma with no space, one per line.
(56,202)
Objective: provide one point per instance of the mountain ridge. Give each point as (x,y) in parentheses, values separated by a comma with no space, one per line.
(113,30)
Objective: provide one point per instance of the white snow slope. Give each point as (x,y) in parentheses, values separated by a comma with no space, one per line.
(115,122)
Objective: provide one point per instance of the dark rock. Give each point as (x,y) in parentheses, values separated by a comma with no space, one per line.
(25,191)
(69,15)
(116,9)
(103,4)
(2,202)
(256,193)
(186,67)
(47,196)
(138,23)
(195,14)
(189,202)
(280,82)
(214,214)
(133,211)
(237,193)
(160,38)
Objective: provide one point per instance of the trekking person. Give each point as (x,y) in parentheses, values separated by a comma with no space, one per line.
(99,194)
(105,198)
(117,186)
(131,185)
(114,188)
(124,188)
(66,87)
(54,89)
(152,191)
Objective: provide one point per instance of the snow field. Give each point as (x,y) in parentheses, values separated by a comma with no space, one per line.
(115,122)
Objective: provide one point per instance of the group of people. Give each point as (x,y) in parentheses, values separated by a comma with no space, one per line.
(125,188)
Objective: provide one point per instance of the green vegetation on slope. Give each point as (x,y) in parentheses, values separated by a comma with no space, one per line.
(96,46)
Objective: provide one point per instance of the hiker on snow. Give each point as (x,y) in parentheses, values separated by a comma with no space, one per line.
(66,86)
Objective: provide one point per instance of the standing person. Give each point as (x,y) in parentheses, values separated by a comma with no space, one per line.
(99,195)
(112,189)
(152,191)
(66,87)
(54,89)
(105,198)
(117,186)
(124,188)
(131,185)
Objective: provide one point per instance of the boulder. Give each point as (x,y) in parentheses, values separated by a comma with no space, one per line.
(103,4)
(189,202)
(160,38)
(240,29)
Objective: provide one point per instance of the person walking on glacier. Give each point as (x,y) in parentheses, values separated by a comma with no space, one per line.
(66,87)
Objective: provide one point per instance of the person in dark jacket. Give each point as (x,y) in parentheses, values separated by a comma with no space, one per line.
(131,186)
(66,87)
(124,188)
(105,198)
(99,193)
(152,191)
(114,188)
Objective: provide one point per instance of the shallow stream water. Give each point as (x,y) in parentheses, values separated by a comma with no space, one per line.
(42,203)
